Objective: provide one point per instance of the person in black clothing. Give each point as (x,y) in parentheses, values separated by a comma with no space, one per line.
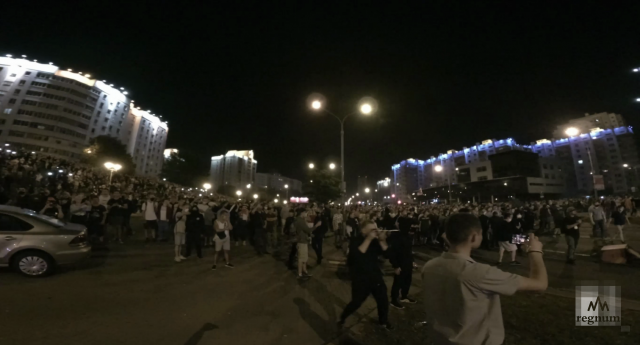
(354,223)
(572,234)
(97,215)
(22,200)
(320,228)
(495,222)
(290,233)
(405,222)
(503,232)
(366,275)
(529,220)
(52,209)
(401,258)
(484,222)
(194,229)
(259,221)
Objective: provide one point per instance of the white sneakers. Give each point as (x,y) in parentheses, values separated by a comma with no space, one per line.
(177,259)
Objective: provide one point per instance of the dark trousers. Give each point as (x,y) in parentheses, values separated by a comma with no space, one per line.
(260,241)
(360,290)
(401,283)
(193,239)
(292,255)
(316,244)
(599,228)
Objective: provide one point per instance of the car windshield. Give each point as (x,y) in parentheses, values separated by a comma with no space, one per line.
(53,221)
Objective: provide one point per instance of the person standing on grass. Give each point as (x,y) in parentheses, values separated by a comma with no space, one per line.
(222,238)
(572,234)
(303,230)
(503,234)
(462,296)
(366,275)
(620,219)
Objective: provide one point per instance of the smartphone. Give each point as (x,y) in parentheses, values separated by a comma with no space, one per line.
(519,239)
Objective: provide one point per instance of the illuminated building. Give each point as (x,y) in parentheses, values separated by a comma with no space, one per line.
(278,182)
(56,112)
(563,163)
(235,168)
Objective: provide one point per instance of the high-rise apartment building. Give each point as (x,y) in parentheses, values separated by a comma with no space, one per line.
(235,168)
(569,162)
(56,112)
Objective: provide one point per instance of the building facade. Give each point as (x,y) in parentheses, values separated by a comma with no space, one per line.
(567,162)
(590,121)
(235,168)
(57,112)
(278,182)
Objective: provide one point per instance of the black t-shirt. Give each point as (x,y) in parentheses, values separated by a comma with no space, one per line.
(96,214)
(619,218)
(364,266)
(117,207)
(575,231)
(405,223)
(354,223)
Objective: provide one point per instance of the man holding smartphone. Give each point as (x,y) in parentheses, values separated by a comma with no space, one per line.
(462,296)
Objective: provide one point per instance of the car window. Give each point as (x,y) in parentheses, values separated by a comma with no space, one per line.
(51,221)
(11,223)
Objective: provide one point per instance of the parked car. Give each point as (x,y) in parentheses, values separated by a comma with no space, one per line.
(34,244)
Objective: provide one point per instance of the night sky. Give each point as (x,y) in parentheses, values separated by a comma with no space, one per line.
(237,76)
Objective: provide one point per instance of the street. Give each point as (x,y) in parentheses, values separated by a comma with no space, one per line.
(136,294)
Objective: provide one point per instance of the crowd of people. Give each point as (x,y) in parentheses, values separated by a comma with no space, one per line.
(191,219)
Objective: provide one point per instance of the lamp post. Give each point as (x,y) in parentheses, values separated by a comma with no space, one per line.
(366,106)
(112,167)
(438,168)
(286,187)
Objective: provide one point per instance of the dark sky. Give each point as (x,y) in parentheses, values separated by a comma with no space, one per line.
(231,76)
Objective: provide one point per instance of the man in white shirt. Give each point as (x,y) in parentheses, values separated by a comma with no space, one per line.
(150,209)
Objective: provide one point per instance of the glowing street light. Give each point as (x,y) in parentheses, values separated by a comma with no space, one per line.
(367,190)
(366,106)
(275,200)
(311,165)
(286,186)
(238,193)
(249,186)
(625,165)
(255,196)
(112,167)
(206,186)
(438,168)
(572,131)
(332,166)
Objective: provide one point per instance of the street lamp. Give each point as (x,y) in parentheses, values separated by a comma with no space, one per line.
(112,167)
(238,193)
(366,106)
(286,186)
(255,196)
(332,166)
(438,168)
(367,190)
(311,165)
(625,165)
(572,131)
(249,186)
(206,186)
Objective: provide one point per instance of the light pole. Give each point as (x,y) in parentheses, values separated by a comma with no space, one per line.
(366,106)
(286,187)
(438,168)
(112,167)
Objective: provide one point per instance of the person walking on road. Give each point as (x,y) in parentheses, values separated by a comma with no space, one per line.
(366,275)
(598,220)
(222,238)
(401,258)
(620,219)
(572,234)
(194,229)
(303,230)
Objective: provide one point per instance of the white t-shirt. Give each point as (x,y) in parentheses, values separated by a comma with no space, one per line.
(221,225)
(150,212)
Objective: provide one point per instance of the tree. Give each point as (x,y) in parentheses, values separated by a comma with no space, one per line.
(104,148)
(324,188)
(185,168)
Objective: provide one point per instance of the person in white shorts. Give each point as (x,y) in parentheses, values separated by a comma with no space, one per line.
(222,226)
(179,235)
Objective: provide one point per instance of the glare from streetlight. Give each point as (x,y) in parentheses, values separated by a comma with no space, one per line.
(255,196)
(112,166)
(249,185)
(367,190)
(438,168)
(238,193)
(572,131)
(286,186)
(275,200)
(625,165)
(207,186)
(311,165)
(332,166)
(393,195)
(316,105)
(366,109)
(357,194)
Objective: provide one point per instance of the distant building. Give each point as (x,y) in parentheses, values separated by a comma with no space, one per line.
(278,183)
(564,163)
(235,168)
(57,112)
(588,122)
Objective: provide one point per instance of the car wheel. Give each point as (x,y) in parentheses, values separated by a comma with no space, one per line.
(33,263)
